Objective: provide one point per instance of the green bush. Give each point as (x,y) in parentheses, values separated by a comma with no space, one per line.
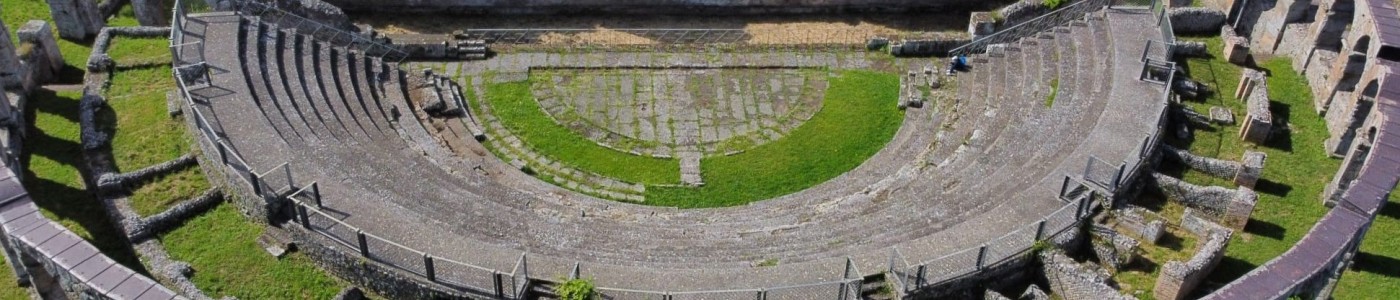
(575,289)
(1052,4)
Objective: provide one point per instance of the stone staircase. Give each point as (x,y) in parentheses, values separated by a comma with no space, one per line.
(312,92)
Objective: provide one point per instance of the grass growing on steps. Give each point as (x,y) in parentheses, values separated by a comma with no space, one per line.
(1294,175)
(856,121)
(514,105)
(222,248)
(1054,90)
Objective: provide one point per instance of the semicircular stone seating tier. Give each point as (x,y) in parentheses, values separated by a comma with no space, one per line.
(662,112)
(958,173)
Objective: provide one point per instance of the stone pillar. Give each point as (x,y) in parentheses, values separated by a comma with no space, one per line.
(151,12)
(1250,167)
(1258,121)
(1239,208)
(11,73)
(39,52)
(76,19)
(1236,49)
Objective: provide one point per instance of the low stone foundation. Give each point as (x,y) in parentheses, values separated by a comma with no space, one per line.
(1177,278)
(1072,280)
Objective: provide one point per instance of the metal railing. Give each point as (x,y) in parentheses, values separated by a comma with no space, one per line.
(969,262)
(310,213)
(1164,23)
(1063,15)
(320,31)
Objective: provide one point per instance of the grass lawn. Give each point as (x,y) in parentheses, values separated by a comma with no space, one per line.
(856,121)
(143,134)
(1294,175)
(222,248)
(514,105)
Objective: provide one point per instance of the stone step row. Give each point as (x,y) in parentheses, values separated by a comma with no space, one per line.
(314,88)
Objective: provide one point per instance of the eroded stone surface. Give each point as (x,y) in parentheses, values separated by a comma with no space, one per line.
(659,112)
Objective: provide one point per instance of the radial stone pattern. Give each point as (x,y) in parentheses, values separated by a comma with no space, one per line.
(672,112)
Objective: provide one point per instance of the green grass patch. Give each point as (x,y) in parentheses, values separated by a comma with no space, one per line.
(1054,91)
(160,194)
(142,133)
(518,111)
(856,121)
(1294,175)
(1375,271)
(222,248)
(54,180)
(140,51)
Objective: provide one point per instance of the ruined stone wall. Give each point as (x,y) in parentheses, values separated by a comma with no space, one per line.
(1178,278)
(1072,280)
(654,6)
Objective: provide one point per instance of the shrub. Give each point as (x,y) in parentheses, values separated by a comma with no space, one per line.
(1052,4)
(575,289)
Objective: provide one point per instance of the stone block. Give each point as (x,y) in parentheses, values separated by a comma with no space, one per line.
(39,33)
(1222,115)
(1236,49)
(981,24)
(1196,19)
(1258,121)
(1250,167)
(1239,208)
(152,12)
(76,19)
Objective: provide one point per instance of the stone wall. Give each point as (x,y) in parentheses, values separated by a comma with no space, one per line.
(1196,20)
(1258,120)
(1178,278)
(76,19)
(1072,280)
(1229,207)
(656,6)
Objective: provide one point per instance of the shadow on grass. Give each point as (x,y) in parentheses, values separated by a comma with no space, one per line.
(1173,242)
(1272,187)
(1376,264)
(1390,210)
(1229,269)
(1265,229)
(57,184)
(66,109)
(1281,137)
